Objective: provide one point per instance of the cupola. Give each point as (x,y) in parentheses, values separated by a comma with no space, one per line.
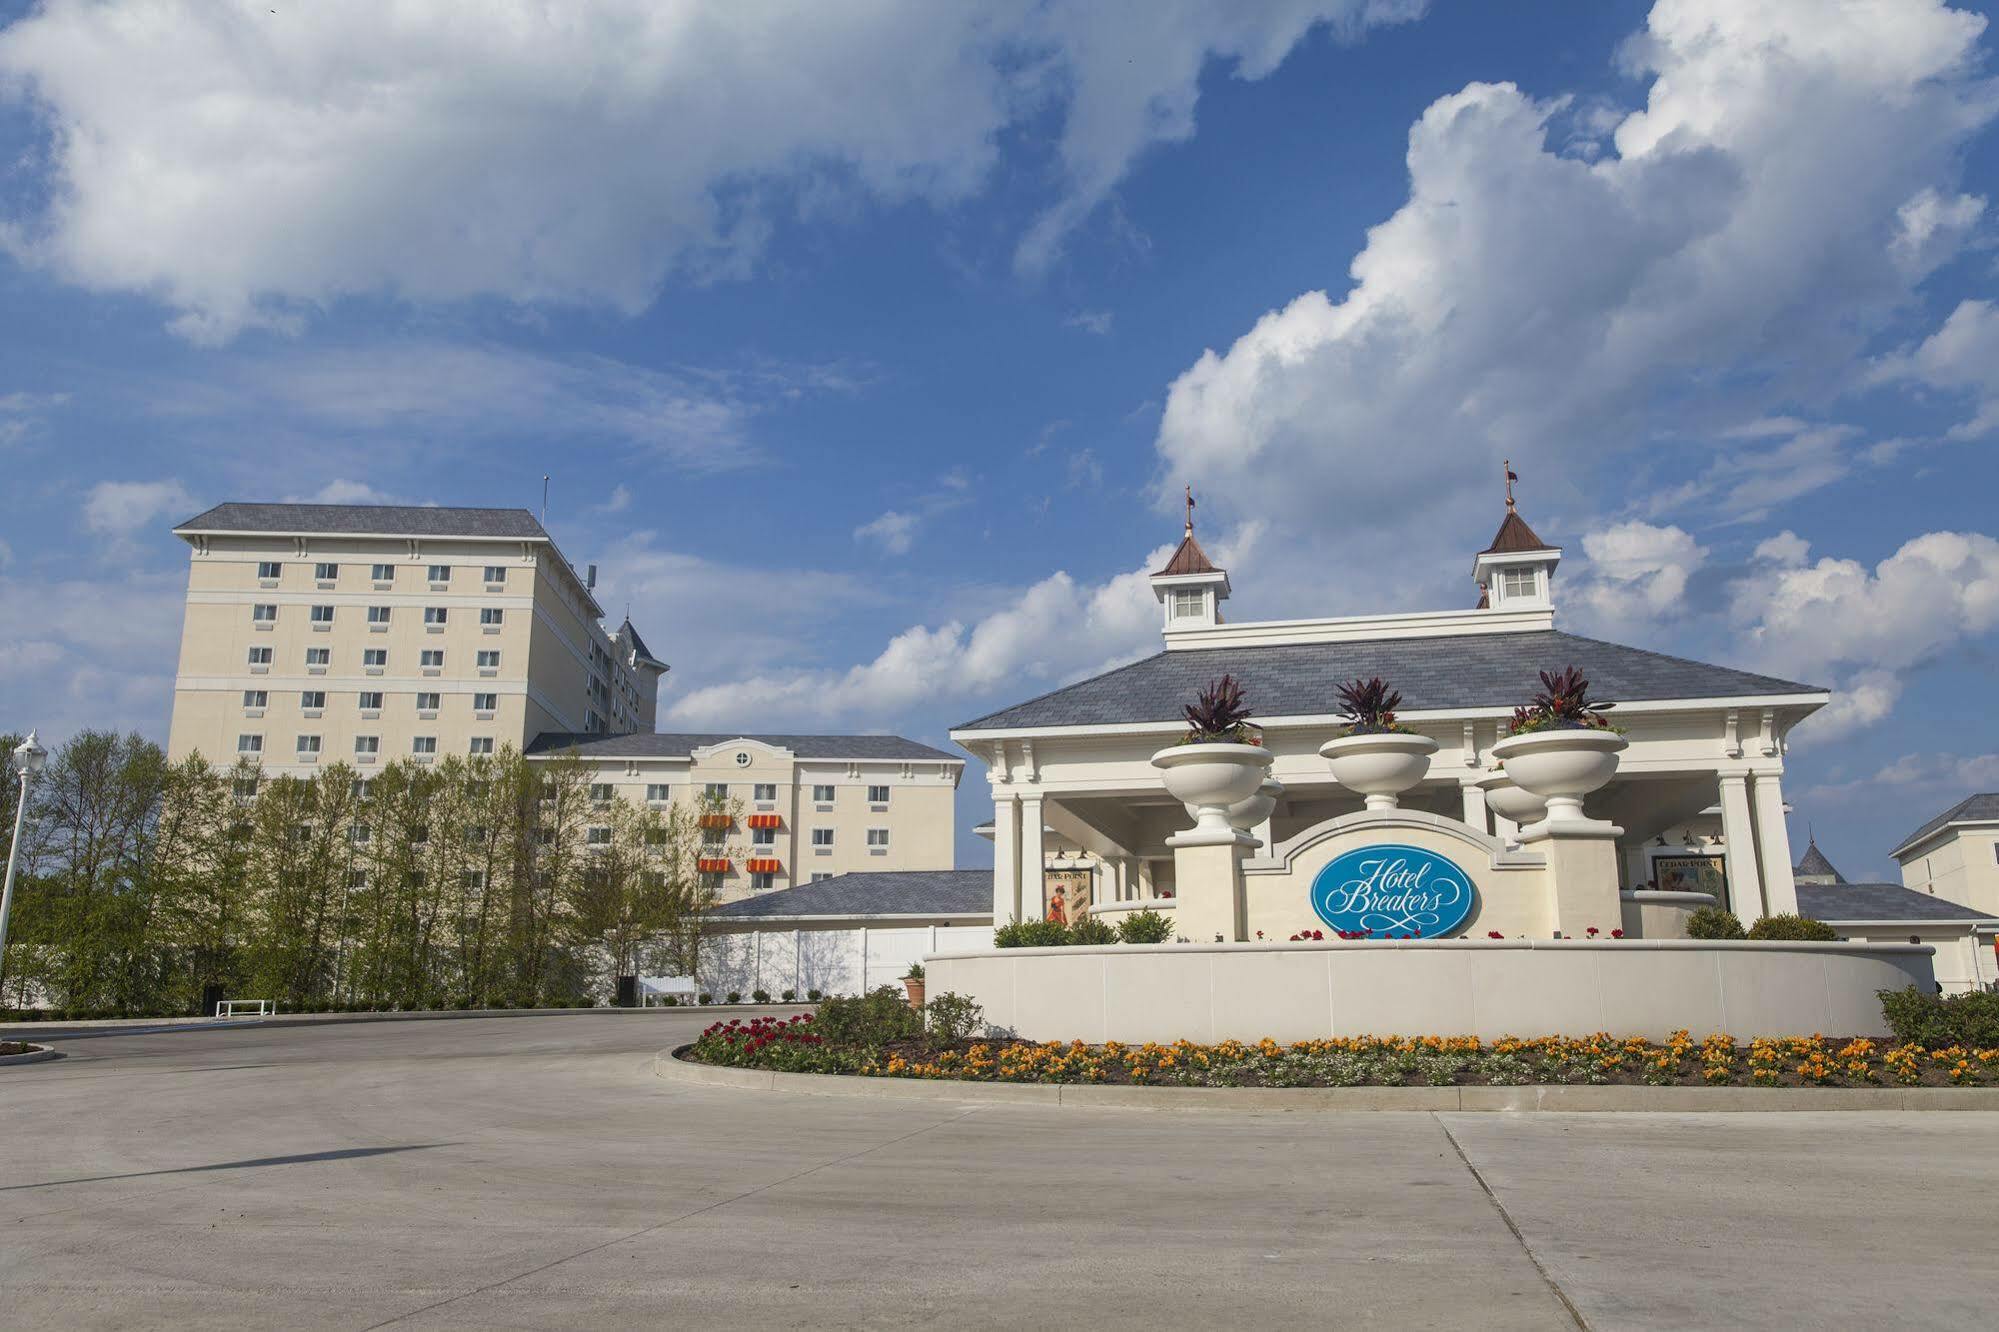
(1517,571)
(1190,588)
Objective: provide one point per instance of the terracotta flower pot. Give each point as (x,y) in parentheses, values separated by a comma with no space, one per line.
(1207,779)
(1379,766)
(914,989)
(1561,765)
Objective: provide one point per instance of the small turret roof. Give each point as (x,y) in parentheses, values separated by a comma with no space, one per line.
(1189,559)
(1514,536)
(1815,865)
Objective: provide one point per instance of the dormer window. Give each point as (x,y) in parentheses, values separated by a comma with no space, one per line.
(1189,603)
(1517,584)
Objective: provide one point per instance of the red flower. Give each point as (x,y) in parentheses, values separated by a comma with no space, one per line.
(1591,931)
(1494,934)
(1617,934)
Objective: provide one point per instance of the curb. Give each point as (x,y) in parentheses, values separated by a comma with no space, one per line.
(129,1026)
(40,1054)
(668,1064)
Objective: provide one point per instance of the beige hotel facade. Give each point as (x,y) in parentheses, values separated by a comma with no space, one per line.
(320,633)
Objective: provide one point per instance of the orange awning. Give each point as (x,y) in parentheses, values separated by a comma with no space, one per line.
(763,866)
(716,820)
(765,821)
(708,866)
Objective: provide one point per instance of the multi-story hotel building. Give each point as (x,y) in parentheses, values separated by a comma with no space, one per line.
(318,633)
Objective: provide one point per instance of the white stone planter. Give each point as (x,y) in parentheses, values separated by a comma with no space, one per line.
(1248,814)
(1379,767)
(1504,797)
(1561,766)
(1208,779)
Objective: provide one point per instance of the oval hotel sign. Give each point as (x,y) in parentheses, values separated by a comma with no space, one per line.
(1392,892)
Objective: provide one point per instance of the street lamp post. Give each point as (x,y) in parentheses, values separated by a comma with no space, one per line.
(28,759)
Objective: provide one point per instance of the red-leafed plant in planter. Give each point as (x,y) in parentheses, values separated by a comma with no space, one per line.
(1220,716)
(1562,704)
(1370,708)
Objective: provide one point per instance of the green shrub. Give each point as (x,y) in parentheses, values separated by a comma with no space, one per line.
(1090,930)
(760,996)
(876,1018)
(1926,1018)
(1713,922)
(1793,929)
(707,998)
(1144,927)
(1031,934)
(915,972)
(953,1017)
(812,996)
(789,996)
(735,996)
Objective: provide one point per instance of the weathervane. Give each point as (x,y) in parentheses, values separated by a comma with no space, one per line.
(1190,510)
(1511,477)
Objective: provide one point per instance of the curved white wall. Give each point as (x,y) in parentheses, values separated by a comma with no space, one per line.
(1443,987)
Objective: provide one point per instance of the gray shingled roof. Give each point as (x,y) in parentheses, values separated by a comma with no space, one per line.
(631,633)
(663,744)
(1462,671)
(1980,808)
(1836,902)
(889,893)
(368,520)
(1815,863)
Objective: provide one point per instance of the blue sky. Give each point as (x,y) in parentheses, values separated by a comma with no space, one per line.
(868,345)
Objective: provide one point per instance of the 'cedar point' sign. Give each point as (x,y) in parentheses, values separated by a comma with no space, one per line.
(1392,892)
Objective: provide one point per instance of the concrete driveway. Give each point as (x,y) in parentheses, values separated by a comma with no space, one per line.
(531,1172)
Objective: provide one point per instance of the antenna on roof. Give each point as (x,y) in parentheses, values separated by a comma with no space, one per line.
(1511,477)
(544,499)
(1190,511)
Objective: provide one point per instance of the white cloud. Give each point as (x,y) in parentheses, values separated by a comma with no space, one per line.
(90,653)
(1091,321)
(21,413)
(342,490)
(1056,630)
(1636,574)
(118,509)
(249,167)
(1730,257)
(621,499)
(1962,356)
(1911,778)
(1837,620)
(894,531)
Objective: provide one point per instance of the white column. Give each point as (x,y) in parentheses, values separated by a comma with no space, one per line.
(1475,808)
(1738,830)
(1033,860)
(1006,859)
(1773,844)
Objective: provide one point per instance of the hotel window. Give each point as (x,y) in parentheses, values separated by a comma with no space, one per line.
(427,702)
(324,572)
(489,660)
(440,573)
(432,659)
(877,840)
(424,744)
(378,615)
(496,573)
(385,573)
(765,793)
(249,744)
(656,793)
(268,570)
(357,879)
(485,702)
(817,875)
(1189,603)
(822,795)
(763,837)
(368,745)
(599,836)
(312,700)
(434,614)
(420,835)
(308,744)
(371,700)
(716,790)
(822,839)
(475,835)
(361,788)
(482,744)
(264,613)
(359,834)
(600,793)
(491,616)
(318,656)
(1518,583)
(712,837)
(260,656)
(322,615)
(376,657)
(256,698)
(246,788)
(877,795)
(762,881)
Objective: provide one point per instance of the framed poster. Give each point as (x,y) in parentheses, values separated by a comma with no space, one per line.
(1683,873)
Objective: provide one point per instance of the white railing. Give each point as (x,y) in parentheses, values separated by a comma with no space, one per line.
(254,1007)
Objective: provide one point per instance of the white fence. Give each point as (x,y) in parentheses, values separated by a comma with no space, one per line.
(830,961)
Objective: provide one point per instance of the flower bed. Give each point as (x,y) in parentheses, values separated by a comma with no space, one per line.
(790,1045)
